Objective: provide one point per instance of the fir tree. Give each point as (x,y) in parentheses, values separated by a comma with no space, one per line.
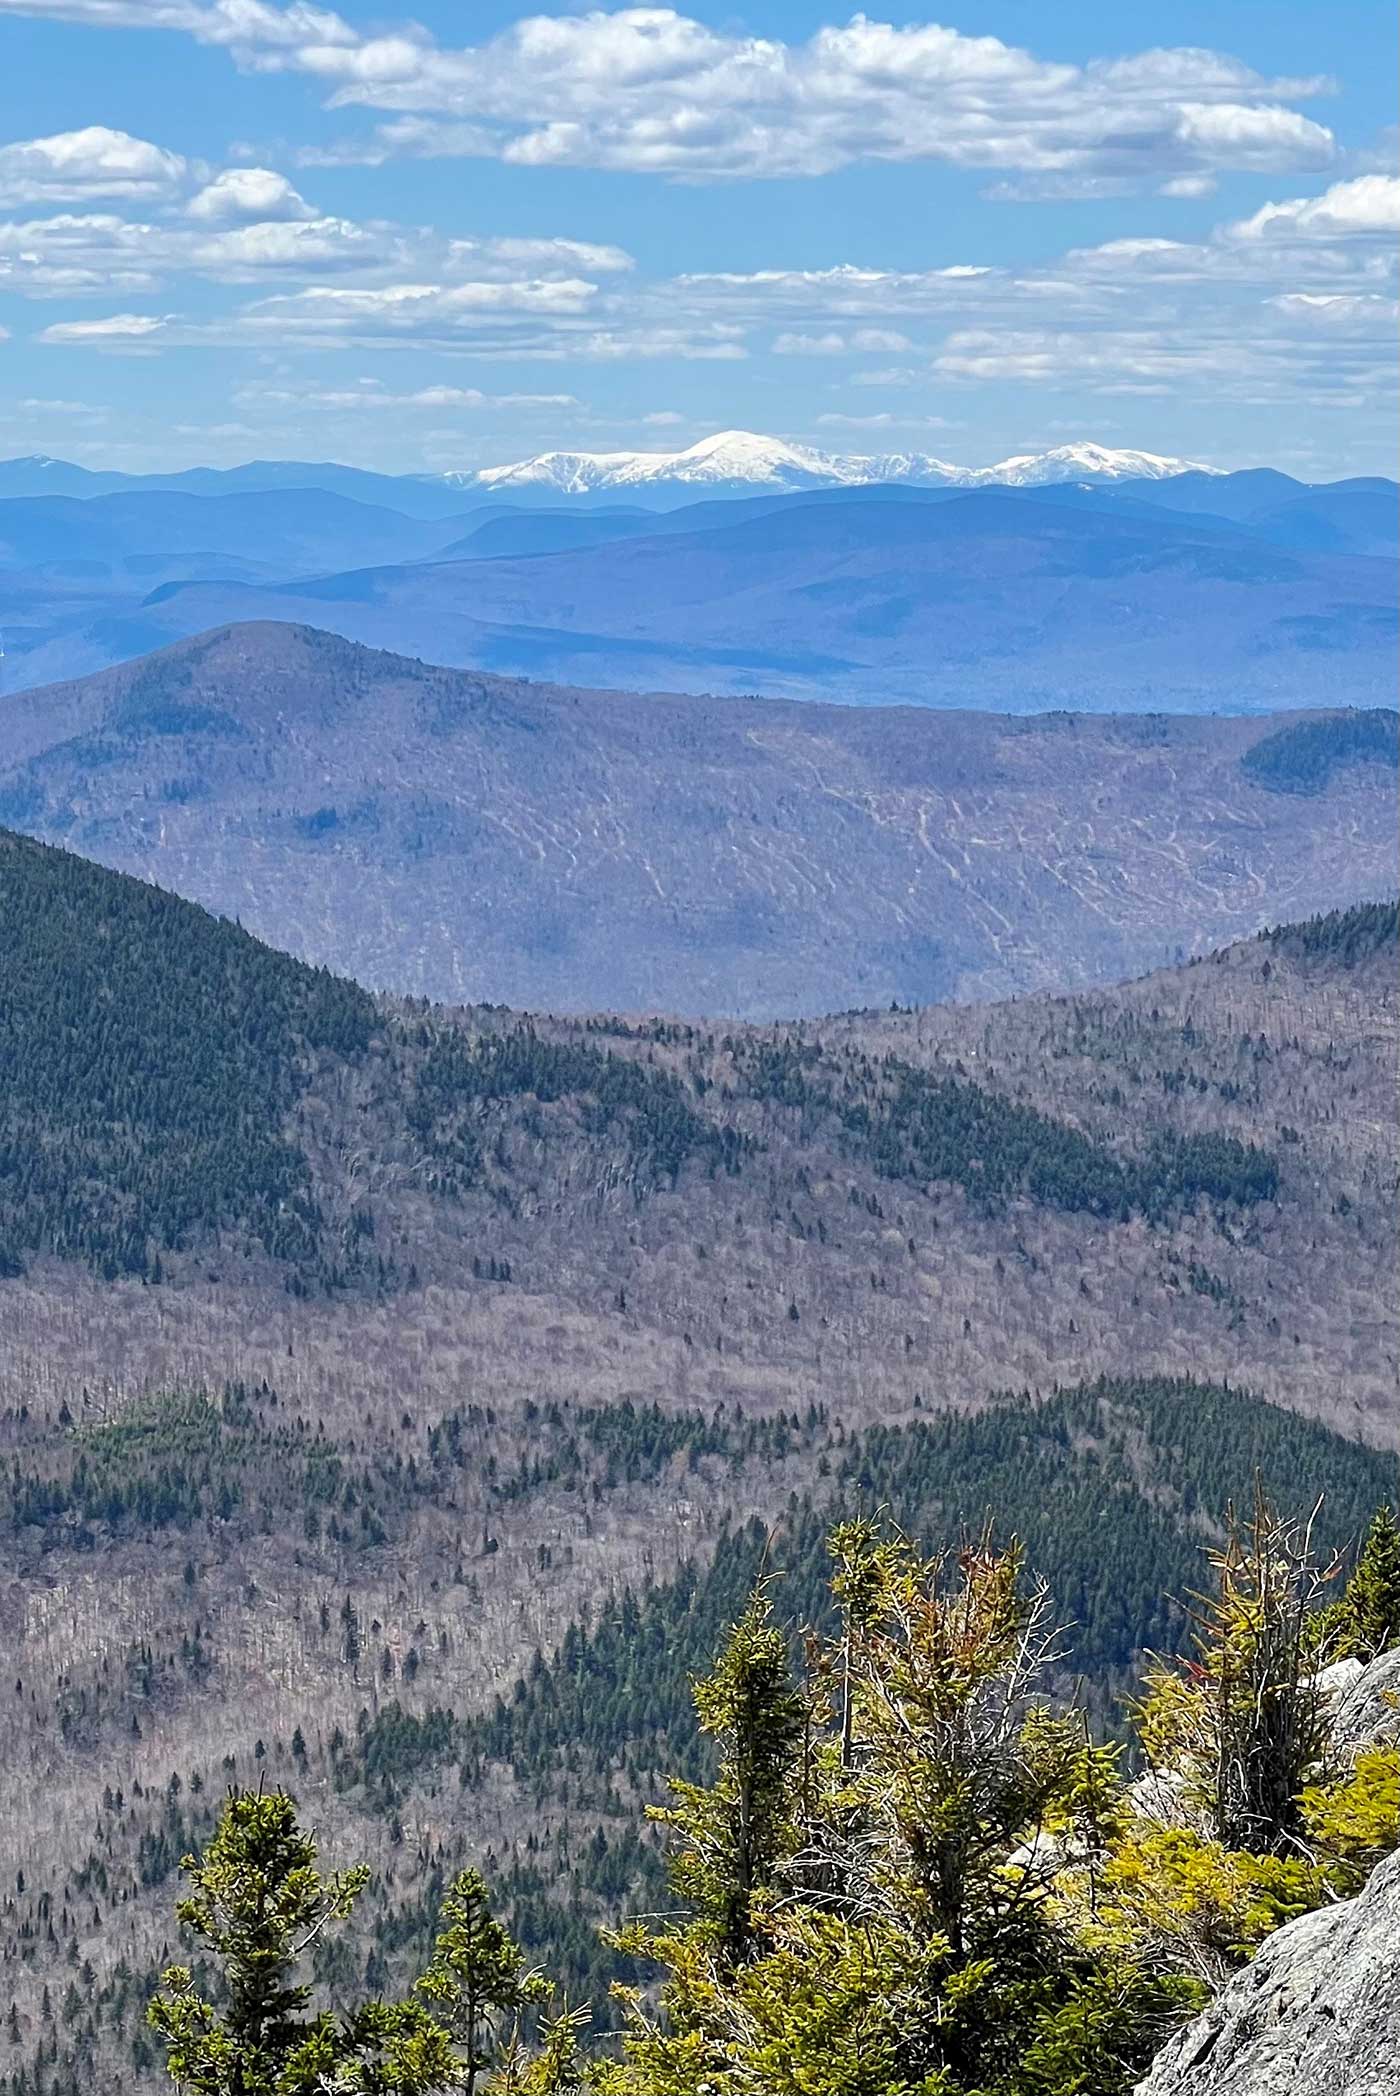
(258,1905)
(476,1984)
(1369,1615)
(734,1835)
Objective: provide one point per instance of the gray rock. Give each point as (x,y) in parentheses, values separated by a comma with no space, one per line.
(1366,1705)
(1316,2014)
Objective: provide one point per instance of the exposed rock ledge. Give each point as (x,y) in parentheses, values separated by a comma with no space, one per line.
(1316,2014)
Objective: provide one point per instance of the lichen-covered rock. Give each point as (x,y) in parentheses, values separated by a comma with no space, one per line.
(1316,2014)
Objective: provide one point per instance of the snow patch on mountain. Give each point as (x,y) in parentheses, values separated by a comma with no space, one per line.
(739,458)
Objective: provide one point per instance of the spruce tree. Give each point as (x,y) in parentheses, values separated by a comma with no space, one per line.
(476,1984)
(258,1905)
(735,1835)
(1369,1616)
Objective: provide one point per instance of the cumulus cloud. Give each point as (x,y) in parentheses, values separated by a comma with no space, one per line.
(77,166)
(313,246)
(327,308)
(651,90)
(1367,207)
(1272,364)
(248,195)
(74,255)
(1366,312)
(828,345)
(864,341)
(212,235)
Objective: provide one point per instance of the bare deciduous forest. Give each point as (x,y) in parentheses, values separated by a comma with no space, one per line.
(404,1345)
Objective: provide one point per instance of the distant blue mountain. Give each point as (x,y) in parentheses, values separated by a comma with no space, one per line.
(271,534)
(1016,599)
(414,495)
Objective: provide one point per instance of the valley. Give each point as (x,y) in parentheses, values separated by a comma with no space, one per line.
(353,1352)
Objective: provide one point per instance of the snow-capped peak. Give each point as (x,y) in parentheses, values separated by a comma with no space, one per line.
(1086,462)
(740,458)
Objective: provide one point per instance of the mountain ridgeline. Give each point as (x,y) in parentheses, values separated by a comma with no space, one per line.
(184,1104)
(1091,579)
(478,839)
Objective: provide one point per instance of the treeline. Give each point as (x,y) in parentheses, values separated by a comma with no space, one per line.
(1345,937)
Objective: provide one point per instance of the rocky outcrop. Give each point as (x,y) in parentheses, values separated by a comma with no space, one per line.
(1364,1696)
(1316,2014)
(1318,2011)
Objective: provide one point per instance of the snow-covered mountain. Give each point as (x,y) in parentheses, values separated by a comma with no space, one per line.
(737,458)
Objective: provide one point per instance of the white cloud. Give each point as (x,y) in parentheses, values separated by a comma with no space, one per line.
(1367,207)
(547,257)
(1189,186)
(122,330)
(1258,136)
(328,310)
(887,375)
(247,196)
(75,166)
(1364,312)
(844,292)
(316,246)
(829,345)
(1271,364)
(650,90)
(877,341)
(77,254)
(372,394)
(865,341)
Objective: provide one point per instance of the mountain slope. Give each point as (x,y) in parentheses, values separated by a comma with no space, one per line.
(462,835)
(991,598)
(759,1206)
(437,1535)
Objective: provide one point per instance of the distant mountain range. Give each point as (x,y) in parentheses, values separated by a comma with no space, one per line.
(999,598)
(737,458)
(466,836)
(1199,590)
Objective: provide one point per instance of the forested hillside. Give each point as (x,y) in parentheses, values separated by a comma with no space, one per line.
(438,1381)
(481,838)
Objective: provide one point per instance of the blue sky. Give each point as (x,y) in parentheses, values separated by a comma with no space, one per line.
(452,237)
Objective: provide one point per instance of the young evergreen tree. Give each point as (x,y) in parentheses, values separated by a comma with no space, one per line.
(257,1906)
(1368,1616)
(1243,1721)
(735,1835)
(476,1984)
